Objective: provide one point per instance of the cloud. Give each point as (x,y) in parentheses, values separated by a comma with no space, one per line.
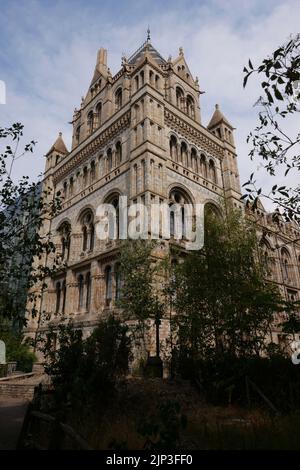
(51,49)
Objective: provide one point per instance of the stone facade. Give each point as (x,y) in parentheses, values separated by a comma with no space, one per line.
(139,134)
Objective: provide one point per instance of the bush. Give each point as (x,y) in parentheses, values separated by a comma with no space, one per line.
(222,379)
(84,371)
(17,350)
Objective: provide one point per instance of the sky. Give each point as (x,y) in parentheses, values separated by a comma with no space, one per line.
(48,53)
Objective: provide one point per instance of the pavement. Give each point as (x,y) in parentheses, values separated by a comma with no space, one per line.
(12,412)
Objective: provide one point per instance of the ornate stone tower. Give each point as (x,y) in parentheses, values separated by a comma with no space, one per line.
(137,133)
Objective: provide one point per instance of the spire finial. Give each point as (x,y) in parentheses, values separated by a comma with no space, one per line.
(148,34)
(60,134)
(217,106)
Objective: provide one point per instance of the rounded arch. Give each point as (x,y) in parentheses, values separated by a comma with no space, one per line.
(184,148)
(181,187)
(118,147)
(173,146)
(179,97)
(212,173)
(203,164)
(194,159)
(190,106)
(90,121)
(211,207)
(98,113)
(118,98)
(109,195)
(285,259)
(63,222)
(86,208)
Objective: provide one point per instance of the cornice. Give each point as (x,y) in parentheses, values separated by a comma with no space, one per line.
(93,146)
(193,134)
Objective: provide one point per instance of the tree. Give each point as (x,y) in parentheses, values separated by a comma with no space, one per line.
(140,297)
(222,300)
(24,208)
(276,139)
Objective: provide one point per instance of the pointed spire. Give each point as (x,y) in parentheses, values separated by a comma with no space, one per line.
(218,117)
(148,34)
(59,145)
(101,65)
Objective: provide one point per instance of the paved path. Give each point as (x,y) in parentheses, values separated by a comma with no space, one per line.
(12,412)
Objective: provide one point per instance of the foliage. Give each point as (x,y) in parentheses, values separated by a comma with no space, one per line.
(84,371)
(221,297)
(273,140)
(17,350)
(24,207)
(140,299)
(163,430)
(222,380)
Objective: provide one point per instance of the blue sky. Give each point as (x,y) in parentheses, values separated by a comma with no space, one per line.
(48,52)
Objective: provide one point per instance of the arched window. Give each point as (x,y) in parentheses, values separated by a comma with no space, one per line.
(88,291)
(92,236)
(119,153)
(179,98)
(266,257)
(194,160)
(98,115)
(157,82)
(58,295)
(108,285)
(143,175)
(71,187)
(173,148)
(80,291)
(90,122)
(64,293)
(88,231)
(93,171)
(136,80)
(203,166)
(286,265)
(142,77)
(65,189)
(212,210)
(77,134)
(151,78)
(114,217)
(84,238)
(177,212)
(212,171)
(109,160)
(118,280)
(190,106)
(183,153)
(65,234)
(135,177)
(118,99)
(85,176)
